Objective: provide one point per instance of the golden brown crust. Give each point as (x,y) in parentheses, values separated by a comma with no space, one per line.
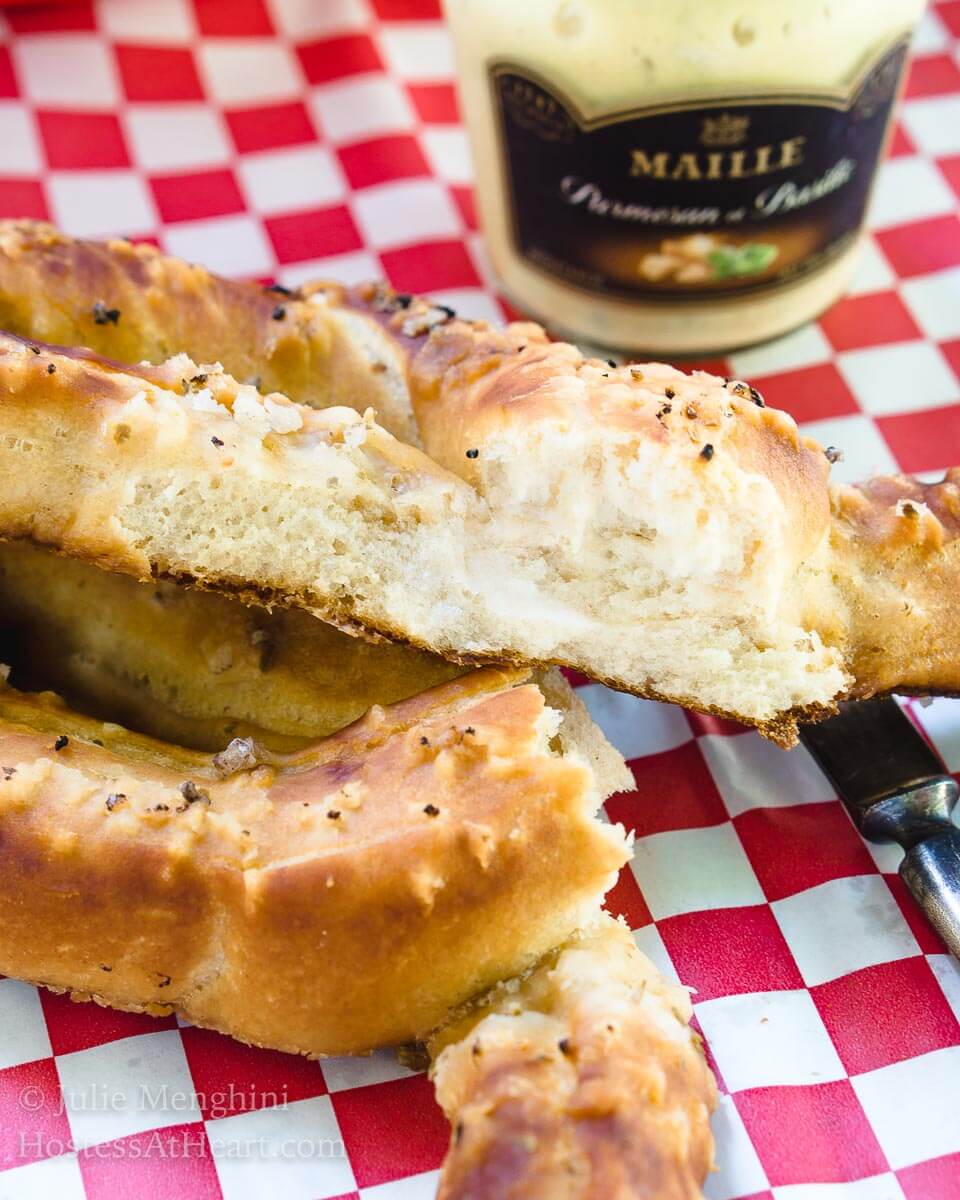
(131,303)
(344,897)
(471,383)
(191,667)
(350,893)
(580,1082)
(896,544)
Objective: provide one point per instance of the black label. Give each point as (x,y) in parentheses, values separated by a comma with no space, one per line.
(690,199)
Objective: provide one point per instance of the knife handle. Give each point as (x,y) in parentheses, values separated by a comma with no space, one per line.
(931,871)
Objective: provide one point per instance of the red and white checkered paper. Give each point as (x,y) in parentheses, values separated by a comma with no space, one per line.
(302,138)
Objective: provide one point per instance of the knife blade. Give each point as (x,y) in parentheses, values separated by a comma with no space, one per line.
(896,789)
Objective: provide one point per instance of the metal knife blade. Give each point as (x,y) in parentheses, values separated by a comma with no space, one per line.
(896,789)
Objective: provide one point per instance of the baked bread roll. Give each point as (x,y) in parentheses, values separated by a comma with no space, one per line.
(737,582)
(342,897)
(582,1080)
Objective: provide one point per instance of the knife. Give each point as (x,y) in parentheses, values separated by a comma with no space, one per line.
(895,789)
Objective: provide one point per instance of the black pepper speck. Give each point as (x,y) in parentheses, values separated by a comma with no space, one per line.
(105,316)
(191,793)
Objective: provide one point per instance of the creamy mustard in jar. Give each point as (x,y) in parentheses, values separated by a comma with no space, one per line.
(677,176)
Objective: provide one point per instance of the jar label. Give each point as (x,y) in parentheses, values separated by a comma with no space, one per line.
(693,199)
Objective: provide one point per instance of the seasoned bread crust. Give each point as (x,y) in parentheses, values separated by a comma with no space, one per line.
(132,303)
(581,1081)
(665,533)
(192,667)
(342,897)
(896,543)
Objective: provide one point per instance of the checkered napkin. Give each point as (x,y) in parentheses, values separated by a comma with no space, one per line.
(292,139)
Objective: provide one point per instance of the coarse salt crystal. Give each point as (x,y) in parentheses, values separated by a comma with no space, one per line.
(203,401)
(250,412)
(283,418)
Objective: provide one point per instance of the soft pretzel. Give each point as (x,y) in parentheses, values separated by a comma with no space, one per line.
(592,529)
(462,847)
(342,897)
(585,1059)
(582,1081)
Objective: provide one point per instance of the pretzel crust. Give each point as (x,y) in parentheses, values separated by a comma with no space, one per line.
(192,667)
(896,543)
(343,897)
(132,303)
(581,1081)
